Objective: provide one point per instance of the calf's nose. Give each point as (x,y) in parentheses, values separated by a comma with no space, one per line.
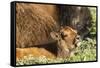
(78,37)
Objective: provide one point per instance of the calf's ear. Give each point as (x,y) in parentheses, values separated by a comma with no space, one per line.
(73,30)
(54,35)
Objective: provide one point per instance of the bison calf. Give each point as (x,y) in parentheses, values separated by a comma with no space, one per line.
(66,39)
(64,44)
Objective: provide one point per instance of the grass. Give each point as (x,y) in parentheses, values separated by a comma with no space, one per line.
(85,52)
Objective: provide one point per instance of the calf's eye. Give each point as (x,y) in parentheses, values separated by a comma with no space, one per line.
(65,35)
(56,35)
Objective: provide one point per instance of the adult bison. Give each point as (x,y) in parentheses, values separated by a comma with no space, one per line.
(77,17)
(34,22)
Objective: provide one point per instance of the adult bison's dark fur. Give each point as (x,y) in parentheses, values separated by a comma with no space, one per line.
(76,17)
(34,22)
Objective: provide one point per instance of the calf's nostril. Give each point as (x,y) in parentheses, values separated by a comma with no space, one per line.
(78,37)
(62,34)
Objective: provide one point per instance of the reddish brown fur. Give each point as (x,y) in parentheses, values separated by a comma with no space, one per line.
(71,35)
(35,52)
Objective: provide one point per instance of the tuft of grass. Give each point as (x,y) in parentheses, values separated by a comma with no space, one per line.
(93,27)
(85,52)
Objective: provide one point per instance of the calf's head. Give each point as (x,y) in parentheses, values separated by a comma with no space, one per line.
(70,36)
(66,38)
